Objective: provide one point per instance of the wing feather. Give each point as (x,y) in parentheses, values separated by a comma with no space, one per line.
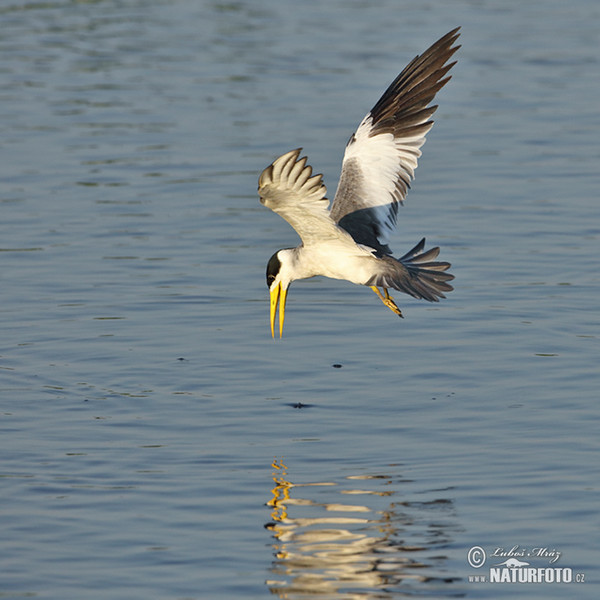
(289,188)
(381,156)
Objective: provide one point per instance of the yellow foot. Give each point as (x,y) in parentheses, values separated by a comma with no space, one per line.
(388,301)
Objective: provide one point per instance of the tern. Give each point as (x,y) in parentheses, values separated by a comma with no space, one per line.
(350,240)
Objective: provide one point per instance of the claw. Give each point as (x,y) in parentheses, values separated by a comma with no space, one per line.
(388,301)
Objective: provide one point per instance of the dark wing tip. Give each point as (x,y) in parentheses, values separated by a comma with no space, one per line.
(418,83)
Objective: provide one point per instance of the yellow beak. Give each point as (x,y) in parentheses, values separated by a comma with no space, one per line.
(278,296)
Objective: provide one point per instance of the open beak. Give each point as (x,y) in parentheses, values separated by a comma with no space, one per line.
(278,296)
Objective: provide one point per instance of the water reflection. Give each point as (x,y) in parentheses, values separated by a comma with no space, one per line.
(381,545)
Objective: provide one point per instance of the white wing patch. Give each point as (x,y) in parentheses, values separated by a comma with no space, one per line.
(383,157)
(386,166)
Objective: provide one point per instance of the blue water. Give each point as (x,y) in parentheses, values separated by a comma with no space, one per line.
(156,442)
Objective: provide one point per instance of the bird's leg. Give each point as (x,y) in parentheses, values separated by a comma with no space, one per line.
(388,301)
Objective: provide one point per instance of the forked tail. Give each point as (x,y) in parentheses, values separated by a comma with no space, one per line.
(416,274)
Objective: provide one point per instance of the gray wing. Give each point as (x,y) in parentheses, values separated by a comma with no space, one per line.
(381,156)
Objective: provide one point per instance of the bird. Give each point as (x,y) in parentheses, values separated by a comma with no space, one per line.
(349,240)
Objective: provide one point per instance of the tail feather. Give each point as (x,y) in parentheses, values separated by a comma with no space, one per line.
(416,274)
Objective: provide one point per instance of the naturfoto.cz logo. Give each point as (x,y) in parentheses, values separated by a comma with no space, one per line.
(512,568)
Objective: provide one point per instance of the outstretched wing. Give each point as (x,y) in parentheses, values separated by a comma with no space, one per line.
(381,157)
(289,188)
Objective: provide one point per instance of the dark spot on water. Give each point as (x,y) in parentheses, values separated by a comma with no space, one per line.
(299,405)
(180,358)
(337,366)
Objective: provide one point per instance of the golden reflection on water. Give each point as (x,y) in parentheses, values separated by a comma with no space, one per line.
(348,550)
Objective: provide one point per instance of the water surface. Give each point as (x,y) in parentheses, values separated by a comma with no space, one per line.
(156,443)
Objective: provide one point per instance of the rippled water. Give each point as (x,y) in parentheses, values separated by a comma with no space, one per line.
(156,443)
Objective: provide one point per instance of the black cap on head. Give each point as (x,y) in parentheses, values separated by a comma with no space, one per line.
(273,267)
